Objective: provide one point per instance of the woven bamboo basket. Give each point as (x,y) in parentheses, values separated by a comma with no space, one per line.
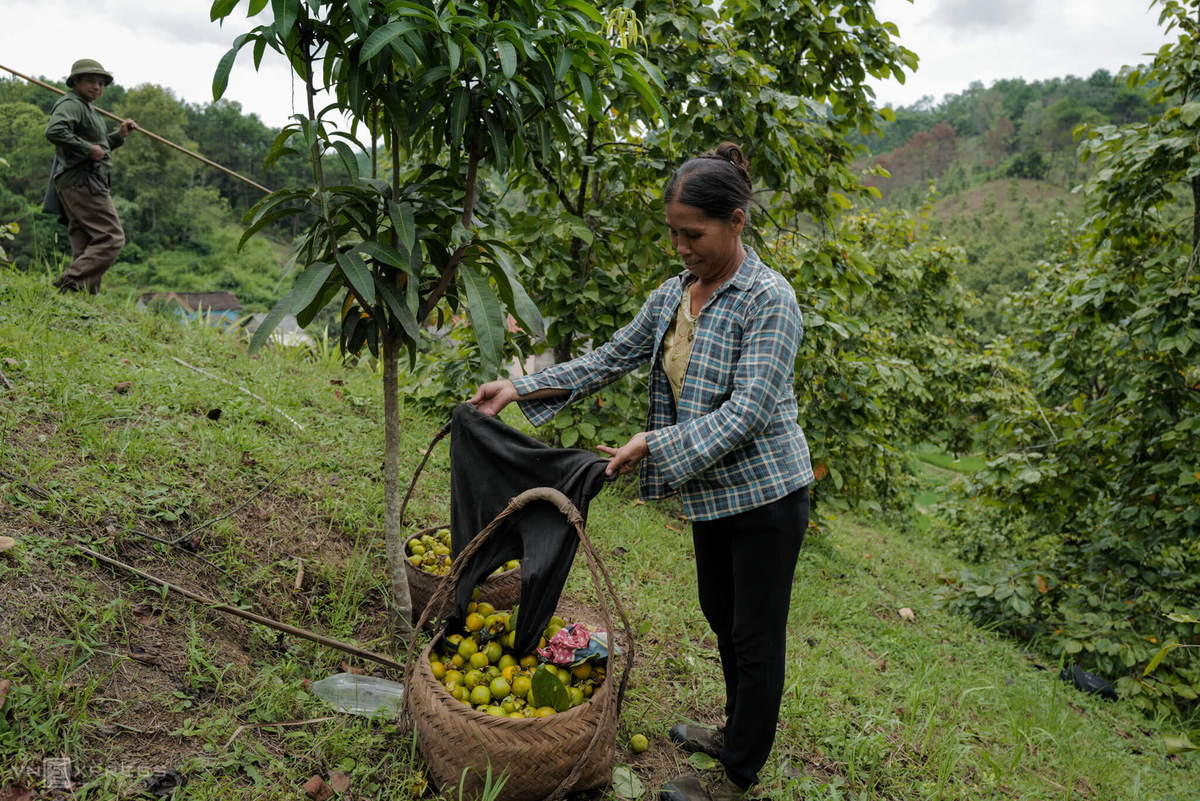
(501,590)
(542,758)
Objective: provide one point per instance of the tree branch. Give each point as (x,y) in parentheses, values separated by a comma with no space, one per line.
(435,295)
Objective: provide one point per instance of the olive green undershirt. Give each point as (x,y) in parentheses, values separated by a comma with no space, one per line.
(677,344)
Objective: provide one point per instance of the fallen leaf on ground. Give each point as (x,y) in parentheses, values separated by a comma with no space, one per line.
(316,789)
(6,543)
(339,781)
(122,387)
(12,362)
(146,659)
(17,794)
(906,613)
(4,685)
(356,671)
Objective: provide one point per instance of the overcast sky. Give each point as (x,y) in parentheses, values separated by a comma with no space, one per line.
(172,43)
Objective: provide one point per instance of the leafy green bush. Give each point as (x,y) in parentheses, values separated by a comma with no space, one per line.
(1102,458)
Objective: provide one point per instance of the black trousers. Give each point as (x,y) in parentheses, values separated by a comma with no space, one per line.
(744,569)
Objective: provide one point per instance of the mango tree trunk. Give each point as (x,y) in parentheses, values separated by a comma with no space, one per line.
(401,599)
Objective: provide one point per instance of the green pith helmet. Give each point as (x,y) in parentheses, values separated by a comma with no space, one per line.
(88,66)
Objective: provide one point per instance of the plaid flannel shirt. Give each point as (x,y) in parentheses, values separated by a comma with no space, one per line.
(733,443)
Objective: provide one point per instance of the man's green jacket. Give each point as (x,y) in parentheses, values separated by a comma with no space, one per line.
(73,128)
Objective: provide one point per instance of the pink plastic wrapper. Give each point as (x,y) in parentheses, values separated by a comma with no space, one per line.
(562,646)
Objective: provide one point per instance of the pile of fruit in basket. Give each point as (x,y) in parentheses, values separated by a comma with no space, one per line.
(431,553)
(479,668)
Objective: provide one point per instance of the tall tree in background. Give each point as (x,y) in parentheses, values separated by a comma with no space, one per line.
(158,175)
(789,85)
(461,91)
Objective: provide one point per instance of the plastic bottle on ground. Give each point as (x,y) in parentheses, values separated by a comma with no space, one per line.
(360,695)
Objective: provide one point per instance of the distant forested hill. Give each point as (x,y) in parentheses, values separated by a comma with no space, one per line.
(1003,161)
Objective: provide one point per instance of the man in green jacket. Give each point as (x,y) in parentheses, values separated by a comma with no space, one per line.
(83,147)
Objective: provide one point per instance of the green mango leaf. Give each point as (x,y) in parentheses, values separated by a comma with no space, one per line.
(1159,657)
(404,222)
(1182,743)
(487,318)
(459,105)
(505,274)
(625,783)
(358,274)
(222,8)
(400,309)
(508,58)
(701,761)
(380,38)
(548,690)
(225,66)
(305,316)
(309,284)
(587,9)
(270,322)
(562,63)
(385,254)
(286,12)
(348,159)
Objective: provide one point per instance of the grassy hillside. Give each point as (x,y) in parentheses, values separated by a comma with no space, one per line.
(1004,228)
(105,438)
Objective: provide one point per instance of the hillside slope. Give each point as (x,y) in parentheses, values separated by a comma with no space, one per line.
(106,436)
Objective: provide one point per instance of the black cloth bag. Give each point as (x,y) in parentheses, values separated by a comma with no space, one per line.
(51,204)
(490,464)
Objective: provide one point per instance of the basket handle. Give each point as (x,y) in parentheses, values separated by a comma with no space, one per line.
(450,582)
(412,485)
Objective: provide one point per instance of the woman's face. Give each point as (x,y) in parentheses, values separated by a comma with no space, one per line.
(711,249)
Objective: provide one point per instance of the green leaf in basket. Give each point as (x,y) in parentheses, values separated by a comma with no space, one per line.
(701,761)
(626,783)
(547,690)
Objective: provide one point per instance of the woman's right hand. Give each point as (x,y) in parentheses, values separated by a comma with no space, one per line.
(494,396)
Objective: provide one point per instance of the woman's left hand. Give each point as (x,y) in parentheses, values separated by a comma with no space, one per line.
(628,456)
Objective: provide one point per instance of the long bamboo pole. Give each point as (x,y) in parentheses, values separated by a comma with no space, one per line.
(142,130)
(242,613)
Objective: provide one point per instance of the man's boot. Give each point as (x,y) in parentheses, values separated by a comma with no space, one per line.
(711,785)
(698,738)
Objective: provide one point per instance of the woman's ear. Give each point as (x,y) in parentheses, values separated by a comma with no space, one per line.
(737,221)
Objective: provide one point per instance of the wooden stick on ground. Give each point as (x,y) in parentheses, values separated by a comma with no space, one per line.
(242,613)
(4,381)
(243,389)
(241,729)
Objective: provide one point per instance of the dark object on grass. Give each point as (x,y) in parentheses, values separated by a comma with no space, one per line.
(162,784)
(1088,682)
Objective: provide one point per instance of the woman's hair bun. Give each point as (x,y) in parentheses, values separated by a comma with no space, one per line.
(734,155)
(716,181)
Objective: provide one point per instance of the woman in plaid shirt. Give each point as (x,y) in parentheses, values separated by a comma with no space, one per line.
(721,431)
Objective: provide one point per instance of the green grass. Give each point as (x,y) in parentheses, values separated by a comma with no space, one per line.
(124,680)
